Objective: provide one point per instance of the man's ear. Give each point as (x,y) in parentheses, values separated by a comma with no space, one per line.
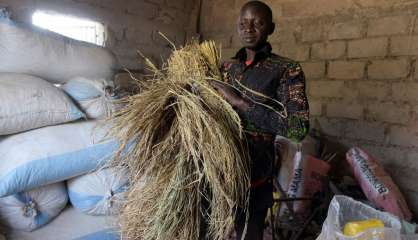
(272,28)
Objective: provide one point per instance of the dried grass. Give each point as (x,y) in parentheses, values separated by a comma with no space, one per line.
(186,143)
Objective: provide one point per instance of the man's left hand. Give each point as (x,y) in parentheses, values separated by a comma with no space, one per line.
(230,95)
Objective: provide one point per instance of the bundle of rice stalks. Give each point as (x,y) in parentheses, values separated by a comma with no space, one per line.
(185,140)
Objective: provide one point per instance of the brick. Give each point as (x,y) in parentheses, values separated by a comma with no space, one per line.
(346,70)
(228,53)
(389,69)
(412,157)
(372,47)
(402,136)
(415,110)
(330,89)
(295,52)
(375,3)
(416,70)
(405,178)
(388,112)
(331,50)
(313,70)
(405,92)
(283,37)
(329,127)
(370,131)
(314,8)
(315,107)
(144,9)
(235,41)
(176,4)
(385,155)
(174,35)
(346,30)
(344,110)
(350,93)
(388,26)
(411,197)
(312,33)
(220,38)
(373,90)
(407,45)
(416,26)
(139,35)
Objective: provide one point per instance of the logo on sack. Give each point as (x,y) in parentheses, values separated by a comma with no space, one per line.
(368,174)
(296,182)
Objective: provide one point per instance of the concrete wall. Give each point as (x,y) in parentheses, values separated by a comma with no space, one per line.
(362,74)
(131,24)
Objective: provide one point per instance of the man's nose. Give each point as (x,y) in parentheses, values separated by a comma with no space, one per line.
(249,27)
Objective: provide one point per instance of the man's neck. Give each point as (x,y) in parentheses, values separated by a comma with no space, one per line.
(251,52)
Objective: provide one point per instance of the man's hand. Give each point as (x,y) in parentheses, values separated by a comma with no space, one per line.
(230,95)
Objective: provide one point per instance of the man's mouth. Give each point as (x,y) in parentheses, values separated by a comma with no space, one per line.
(249,38)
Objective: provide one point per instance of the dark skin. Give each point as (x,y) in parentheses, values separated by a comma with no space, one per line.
(254,28)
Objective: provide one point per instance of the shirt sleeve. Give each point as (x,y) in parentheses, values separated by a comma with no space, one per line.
(291,93)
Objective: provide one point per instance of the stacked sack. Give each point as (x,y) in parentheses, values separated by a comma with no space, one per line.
(53,93)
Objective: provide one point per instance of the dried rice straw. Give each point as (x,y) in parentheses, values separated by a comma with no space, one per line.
(186,143)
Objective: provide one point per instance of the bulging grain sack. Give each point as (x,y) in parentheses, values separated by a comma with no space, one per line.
(34,51)
(28,102)
(376,184)
(28,211)
(99,193)
(52,154)
(93,96)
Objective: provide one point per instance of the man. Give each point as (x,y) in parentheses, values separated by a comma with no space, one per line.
(264,80)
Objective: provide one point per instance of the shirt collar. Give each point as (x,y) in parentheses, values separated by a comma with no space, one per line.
(262,53)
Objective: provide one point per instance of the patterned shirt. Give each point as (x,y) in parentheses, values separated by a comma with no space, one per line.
(265,83)
(279,79)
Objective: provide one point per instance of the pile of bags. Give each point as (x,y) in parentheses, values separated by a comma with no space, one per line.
(302,175)
(54,92)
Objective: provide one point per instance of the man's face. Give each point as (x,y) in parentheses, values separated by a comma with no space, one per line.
(254,27)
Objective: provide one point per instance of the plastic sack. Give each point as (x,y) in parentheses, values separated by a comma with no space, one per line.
(99,193)
(53,154)
(28,102)
(356,227)
(34,51)
(93,96)
(28,211)
(286,150)
(345,209)
(301,175)
(376,184)
(306,180)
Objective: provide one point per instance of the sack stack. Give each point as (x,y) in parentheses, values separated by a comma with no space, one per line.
(54,92)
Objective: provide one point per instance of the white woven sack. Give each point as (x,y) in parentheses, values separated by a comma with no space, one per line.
(28,102)
(34,51)
(52,154)
(93,96)
(28,211)
(99,193)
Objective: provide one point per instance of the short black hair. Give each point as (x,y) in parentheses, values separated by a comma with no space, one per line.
(260,6)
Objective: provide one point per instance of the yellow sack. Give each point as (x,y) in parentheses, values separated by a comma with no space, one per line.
(353,228)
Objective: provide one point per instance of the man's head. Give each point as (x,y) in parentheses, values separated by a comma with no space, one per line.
(255,24)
